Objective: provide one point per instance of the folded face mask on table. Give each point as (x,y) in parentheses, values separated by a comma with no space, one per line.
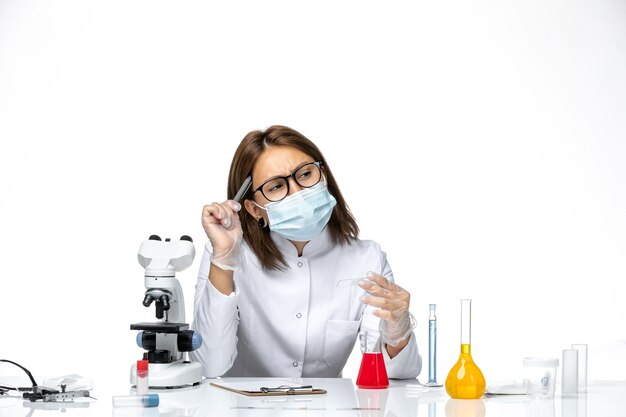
(303,215)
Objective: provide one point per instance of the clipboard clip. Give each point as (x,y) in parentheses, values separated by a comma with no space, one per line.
(288,389)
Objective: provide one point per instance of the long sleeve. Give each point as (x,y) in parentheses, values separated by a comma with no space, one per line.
(407,364)
(216,318)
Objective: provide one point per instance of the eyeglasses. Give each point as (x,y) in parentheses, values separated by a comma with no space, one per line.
(277,188)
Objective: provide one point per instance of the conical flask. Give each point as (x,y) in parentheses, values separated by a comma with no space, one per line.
(465,380)
(373,373)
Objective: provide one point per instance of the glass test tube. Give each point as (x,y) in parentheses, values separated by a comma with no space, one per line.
(150,400)
(142,377)
(432,345)
(570,372)
(582,366)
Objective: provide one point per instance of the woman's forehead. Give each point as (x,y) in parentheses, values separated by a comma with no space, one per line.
(277,161)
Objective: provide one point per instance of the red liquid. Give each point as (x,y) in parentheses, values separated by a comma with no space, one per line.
(373,373)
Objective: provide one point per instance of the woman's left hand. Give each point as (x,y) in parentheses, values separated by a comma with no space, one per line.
(393,302)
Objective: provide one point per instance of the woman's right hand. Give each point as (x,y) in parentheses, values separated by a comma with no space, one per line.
(223,228)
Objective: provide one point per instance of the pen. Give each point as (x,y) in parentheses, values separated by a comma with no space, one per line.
(288,389)
(243,189)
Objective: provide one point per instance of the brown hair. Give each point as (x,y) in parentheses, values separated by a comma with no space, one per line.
(341,226)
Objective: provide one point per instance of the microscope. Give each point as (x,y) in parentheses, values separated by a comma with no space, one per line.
(168,340)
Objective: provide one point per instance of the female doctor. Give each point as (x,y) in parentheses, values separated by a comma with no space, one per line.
(270,299)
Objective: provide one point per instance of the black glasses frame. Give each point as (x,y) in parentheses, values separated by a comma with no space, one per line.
(292,175)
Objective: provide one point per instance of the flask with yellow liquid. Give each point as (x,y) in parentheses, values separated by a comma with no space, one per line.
(465,380)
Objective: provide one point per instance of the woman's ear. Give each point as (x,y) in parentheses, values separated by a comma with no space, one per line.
(252,209)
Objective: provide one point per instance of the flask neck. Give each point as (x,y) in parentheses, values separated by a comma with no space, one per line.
(466,322)
(466,349)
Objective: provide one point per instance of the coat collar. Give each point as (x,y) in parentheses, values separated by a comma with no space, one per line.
(319,244)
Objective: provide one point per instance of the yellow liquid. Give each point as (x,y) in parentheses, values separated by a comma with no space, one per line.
(465,380)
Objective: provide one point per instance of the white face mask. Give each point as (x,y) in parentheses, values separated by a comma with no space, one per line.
(303,215)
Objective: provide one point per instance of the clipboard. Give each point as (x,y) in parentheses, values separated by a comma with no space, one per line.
(258,389)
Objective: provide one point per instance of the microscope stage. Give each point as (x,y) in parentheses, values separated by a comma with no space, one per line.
(160,327)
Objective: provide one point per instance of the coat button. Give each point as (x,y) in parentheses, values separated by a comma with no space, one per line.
(300,264)
(299,315)
(295,364)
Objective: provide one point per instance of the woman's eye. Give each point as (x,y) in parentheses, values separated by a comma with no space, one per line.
(275,187)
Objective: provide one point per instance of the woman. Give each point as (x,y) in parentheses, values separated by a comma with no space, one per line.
(271,298)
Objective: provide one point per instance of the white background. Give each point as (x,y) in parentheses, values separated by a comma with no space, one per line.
(481,143)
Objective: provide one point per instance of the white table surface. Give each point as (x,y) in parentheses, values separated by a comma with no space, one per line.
(603,399)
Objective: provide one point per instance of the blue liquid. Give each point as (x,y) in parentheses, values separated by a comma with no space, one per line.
(432,351)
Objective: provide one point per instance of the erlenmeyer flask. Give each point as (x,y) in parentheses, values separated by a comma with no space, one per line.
(373,373)
(465,380)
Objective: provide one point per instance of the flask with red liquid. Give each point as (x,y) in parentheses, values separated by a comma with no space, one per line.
(372,374)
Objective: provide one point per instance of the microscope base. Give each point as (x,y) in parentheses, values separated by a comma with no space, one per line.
(170,375)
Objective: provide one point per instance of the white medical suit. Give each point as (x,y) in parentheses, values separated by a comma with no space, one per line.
(292,323)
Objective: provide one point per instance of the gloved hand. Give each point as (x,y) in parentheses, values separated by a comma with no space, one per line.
(393,300)
(223,228)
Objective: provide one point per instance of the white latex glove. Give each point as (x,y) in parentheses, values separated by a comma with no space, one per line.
(223,228)
(393,301)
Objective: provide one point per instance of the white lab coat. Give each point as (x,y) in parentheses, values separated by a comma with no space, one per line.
(293,323)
